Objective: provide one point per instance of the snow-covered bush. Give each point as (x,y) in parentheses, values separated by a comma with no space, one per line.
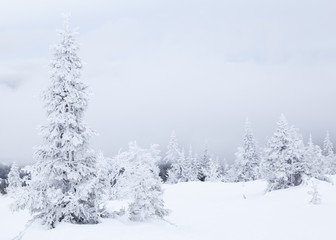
(142,181)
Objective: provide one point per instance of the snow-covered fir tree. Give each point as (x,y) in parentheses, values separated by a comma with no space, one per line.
(213,172)
(282,164)
(14,180)
(172,156)
(225,172)
(144,183)
(231,174)
(247,158)
(183,166)
(328,146)
(173,150)
(181,170)
(64,185)
(185,163)
(173,174)
(176,171)
(313,160)
(192,163)
(203,165)
(329,155)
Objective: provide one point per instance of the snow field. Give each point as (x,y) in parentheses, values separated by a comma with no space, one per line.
(205,210)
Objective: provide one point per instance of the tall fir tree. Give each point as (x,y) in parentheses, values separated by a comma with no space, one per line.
(64,185)
(248,157)
(283,164)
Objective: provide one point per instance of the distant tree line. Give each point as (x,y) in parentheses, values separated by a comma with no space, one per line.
(284,161)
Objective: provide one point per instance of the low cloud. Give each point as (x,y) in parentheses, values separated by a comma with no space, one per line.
(156,66)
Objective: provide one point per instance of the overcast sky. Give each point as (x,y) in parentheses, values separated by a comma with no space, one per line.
(196,67)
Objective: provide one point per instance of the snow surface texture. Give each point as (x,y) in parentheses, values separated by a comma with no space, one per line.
(205,210)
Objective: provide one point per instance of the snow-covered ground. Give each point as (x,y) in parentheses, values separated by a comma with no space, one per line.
(207,210)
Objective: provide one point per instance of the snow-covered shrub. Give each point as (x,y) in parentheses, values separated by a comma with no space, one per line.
(142,181)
